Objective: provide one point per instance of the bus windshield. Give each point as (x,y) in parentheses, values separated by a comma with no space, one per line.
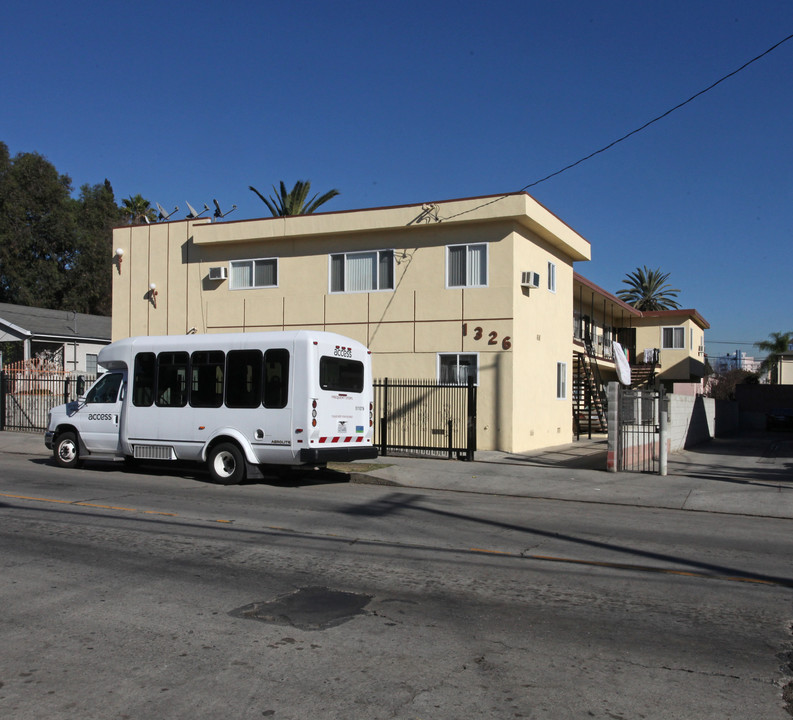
(341,375)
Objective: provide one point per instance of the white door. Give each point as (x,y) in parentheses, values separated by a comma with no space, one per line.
(100,416)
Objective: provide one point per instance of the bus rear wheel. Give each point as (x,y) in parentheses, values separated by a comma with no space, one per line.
(226,464)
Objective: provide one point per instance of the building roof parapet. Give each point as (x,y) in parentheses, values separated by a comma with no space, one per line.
(517,207)
(687,313)
(577,277)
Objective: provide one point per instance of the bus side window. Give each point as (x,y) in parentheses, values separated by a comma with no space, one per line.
(106,390)
(172,379)
(276,378)
(244,378)
(206,373)
(143,380)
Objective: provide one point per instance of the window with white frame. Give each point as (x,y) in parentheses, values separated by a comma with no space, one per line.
(456,368)
(552,276)
(673,338)
(466,265)
(561,381)
(362,271)
(258,273)
(90,363)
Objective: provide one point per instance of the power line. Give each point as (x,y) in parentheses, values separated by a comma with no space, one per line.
(632,132)
(727,342)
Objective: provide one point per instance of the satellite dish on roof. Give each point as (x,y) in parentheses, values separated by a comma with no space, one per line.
(219,213)
(164,215)
(193,214)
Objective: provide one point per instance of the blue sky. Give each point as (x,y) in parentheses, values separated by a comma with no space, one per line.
(409,102)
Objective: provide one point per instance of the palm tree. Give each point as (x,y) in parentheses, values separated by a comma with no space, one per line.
(648,290)
(294,202)
(776,344)
(136,210)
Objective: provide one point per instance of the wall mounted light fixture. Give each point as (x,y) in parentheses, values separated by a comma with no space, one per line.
(117,258)
(153,294)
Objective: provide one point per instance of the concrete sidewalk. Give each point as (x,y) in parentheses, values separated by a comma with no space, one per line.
(747,475)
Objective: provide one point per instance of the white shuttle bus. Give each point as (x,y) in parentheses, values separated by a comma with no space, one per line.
(285,398)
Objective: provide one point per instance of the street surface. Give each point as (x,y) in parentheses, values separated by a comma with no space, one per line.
(155,594)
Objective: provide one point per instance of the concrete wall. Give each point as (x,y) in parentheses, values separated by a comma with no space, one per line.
(692,421)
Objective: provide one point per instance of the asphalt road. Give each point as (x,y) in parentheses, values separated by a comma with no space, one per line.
(148,594)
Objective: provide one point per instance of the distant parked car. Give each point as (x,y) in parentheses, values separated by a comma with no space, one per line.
(779,419)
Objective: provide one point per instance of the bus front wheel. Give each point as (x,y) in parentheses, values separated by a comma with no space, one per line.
(226,464)
(66,450)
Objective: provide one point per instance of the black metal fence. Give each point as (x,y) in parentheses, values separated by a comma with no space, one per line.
(639,430)
(27,396)
(425,417)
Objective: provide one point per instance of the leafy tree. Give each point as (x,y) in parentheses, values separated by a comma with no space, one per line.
(136,210)
(55,250)
(722,387)
(36,230)
(648,290)
(90,277)
(776,344)
(294,202)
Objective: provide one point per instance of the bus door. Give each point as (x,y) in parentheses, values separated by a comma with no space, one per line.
(276,400)
(101,414)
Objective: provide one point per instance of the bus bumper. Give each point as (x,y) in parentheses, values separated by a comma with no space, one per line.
(337,454)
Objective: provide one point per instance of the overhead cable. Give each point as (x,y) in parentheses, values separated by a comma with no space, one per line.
(633,132)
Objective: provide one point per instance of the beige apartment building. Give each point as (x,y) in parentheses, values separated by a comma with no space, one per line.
(480,287)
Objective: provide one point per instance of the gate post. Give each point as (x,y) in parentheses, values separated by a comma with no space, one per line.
(613,459)
(384,420)
(2,400)
(663,432)
(471,439)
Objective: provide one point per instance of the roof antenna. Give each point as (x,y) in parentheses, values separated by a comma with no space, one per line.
(219,213)
(193,214)
(164,215)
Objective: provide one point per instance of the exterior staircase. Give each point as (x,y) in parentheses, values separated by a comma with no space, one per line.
(589,397)
(643,374)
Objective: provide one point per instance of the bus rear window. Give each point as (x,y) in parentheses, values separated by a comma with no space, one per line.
(342,375)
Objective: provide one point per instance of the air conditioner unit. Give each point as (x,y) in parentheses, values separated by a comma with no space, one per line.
(218,273)
(530,279)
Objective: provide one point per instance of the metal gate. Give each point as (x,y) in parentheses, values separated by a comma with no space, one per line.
(27,396)
(639,430)
(425,417)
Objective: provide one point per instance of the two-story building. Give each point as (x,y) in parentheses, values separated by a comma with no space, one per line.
(480,287)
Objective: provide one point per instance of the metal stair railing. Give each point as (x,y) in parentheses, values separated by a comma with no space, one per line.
(588,386)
